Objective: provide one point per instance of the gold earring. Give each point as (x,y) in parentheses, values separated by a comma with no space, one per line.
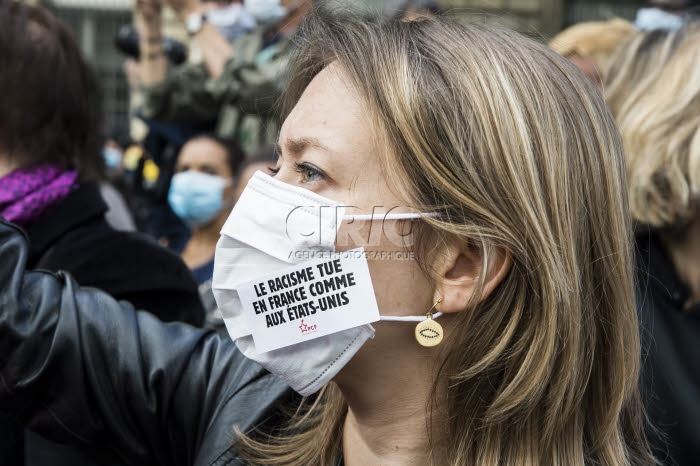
(428,332)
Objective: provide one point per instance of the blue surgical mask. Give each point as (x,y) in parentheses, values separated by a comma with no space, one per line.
(197,198)
(112,156)
(266,12)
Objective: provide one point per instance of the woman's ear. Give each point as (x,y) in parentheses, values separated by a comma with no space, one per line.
(460,270)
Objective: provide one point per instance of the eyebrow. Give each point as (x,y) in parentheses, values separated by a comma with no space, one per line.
(297,146)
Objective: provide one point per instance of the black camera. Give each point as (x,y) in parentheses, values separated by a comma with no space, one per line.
(127,42)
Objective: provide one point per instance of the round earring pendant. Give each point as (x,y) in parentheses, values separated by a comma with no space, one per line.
(429,333)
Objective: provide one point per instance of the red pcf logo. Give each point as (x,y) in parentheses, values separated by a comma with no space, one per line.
(306,328)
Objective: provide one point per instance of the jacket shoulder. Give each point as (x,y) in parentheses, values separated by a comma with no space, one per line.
(129,266)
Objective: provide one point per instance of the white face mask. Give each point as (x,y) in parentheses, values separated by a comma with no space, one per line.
(258,239)
(231,20)
(266,12)
(650,19)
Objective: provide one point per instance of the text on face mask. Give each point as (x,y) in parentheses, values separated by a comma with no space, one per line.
(327,288)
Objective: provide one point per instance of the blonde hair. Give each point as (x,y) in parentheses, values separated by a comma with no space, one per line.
(653,89)
(595,39)
(517,152)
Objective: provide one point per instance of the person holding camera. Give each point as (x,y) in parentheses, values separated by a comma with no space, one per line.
(237,84)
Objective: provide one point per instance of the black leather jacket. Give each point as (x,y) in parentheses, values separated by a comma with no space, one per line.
(78,367)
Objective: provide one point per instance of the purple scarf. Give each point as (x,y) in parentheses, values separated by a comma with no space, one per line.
(26,193)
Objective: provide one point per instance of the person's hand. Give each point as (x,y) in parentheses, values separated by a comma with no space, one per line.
(183,8)
(149,9)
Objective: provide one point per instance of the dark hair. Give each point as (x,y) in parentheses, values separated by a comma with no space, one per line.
(234,154)
(50,103)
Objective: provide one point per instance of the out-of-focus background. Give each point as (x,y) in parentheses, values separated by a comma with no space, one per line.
(96,22)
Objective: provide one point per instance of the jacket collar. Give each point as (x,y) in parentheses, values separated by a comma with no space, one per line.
(81,206)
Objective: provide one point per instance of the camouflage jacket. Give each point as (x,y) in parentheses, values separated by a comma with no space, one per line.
(242,101)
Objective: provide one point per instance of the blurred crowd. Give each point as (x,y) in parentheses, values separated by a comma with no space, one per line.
(141,219)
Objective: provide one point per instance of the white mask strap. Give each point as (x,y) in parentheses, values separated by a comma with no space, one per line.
(408,318)
(400,216)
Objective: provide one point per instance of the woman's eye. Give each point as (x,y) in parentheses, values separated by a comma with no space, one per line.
(273,170)
(308,172)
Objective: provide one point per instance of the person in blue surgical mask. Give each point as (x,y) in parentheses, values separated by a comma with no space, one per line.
(201,195)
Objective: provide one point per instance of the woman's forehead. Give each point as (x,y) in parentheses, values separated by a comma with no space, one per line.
(328,116)
(204,149)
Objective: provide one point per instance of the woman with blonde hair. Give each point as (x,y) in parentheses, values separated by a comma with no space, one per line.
(590,44)
(488,321)
(653,89)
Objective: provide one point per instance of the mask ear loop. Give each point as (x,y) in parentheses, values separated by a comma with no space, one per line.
(399,216)
(409,318)
(428,332)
